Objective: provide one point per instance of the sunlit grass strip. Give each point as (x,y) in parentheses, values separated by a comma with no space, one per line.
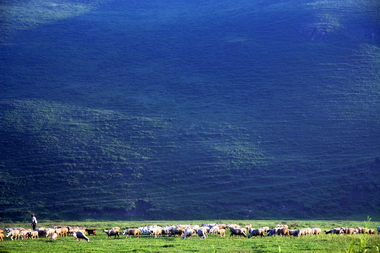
(213,243)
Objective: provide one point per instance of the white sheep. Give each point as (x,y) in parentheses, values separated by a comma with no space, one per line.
(80,235)
(54,236)
(14,234)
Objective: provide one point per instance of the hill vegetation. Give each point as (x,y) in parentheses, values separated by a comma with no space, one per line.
(171,111)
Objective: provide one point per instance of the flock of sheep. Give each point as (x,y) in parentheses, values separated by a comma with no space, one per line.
(184,231)
(53,233)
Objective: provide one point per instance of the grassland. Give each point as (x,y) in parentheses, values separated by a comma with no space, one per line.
(214,243)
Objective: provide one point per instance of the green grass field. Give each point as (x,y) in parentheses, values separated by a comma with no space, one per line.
(213,243)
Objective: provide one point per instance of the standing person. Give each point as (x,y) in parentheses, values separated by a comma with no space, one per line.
(34,221)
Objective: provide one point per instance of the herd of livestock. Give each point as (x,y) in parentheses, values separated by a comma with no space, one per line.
(183,231)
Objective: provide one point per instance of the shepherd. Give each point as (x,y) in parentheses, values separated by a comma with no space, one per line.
(34,221)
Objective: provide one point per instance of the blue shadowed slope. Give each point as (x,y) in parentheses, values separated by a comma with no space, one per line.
(217,102)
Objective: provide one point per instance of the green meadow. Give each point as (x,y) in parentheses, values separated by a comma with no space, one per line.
(213,243)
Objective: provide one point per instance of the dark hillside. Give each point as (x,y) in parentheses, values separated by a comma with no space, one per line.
(175,110)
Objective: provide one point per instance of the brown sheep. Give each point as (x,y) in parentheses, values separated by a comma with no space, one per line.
(371,231)
(359,230)
(91,231)
(282,231)
(112,232)
(1,237)
(222,226)
(348,231)
(132,231)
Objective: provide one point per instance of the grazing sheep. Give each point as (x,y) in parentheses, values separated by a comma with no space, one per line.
(188,233)
(132,231)
(336,231)
(155,231)
(295,232)
(303,231)
(316,231)
(41,231)
(222,226)
(202,232)
(308,231)
(79,235)
(58,231)
(54,236)
(49,232)
(221,232)
(348,231)
(112,232)
(33,234)
(359,230)
(62,231)
(214,230)
(282,231)
(217,230)
(24,234)
(176,231)
(238,232)
(371,231)
(144,230)
(272,231)
(256,232)
(14,234)
(91,231)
